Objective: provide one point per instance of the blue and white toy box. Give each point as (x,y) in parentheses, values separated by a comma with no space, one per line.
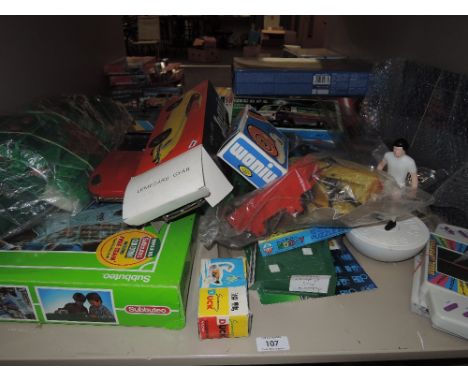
(283,242)
(223,273)
(256,150)
(278,76)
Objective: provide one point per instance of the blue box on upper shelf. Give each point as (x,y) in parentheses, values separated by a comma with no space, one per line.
(277,76)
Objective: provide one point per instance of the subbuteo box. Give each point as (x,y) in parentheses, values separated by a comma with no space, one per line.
(256,149)
(135,278)
(223,309)
(179,167)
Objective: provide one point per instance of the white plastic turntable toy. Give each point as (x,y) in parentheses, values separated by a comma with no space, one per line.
(440,281)
(394,241)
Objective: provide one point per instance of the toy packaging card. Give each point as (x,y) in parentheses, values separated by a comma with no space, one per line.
(177,167)
(350,278)
(256,149)
(64,232)
(223,309)
(135,278)
(198,117)
(311,119)
(307,271)
(286,241)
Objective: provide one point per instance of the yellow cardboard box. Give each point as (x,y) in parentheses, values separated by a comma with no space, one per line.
(223,309)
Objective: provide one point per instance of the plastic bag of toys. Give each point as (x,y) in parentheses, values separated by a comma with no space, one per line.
(320,191)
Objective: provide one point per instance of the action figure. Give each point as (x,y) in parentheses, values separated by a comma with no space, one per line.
(399,164)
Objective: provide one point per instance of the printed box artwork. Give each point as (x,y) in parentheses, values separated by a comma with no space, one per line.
(177,167)
(256,150)
(278,243)
(135,278)
(308,271)
(311,119)
(277,76)
(350,277)
(223,309)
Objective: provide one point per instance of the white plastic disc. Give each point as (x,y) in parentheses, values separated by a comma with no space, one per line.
(405,240)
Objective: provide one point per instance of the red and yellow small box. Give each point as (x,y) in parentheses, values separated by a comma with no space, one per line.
(223,309)
(223,313)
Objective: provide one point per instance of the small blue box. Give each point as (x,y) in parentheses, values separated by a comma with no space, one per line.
(286,241)
(256,150)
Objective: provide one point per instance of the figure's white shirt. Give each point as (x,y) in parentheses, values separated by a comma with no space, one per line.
(400,167)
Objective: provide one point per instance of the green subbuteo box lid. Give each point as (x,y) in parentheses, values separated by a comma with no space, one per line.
(135,278)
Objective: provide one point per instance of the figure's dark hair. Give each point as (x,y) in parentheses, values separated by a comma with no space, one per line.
(79,297)
(401,142)
(93,296)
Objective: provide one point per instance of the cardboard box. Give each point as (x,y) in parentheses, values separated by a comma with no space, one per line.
(311,119)
(110,178)
(350,277)
(176,167)
(251,50)
(276,76)
(227,96)
(209,42)
(256,150)
(307,271)
(271,22)
(203,55)
(148,28)
(141,278)
(205,42)
(283,242)
(223,309)
(319,53)
(131,65)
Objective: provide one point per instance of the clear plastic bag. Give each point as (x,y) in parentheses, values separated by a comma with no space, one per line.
(316,191)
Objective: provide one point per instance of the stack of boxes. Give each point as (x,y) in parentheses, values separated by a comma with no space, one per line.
(143,85)
(269,104)
(203,50)
(314,98)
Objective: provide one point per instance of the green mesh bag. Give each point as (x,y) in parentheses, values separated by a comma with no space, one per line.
(47,155)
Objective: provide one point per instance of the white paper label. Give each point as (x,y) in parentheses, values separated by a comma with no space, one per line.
(309,283)
(272,343)
(322,79)
(333,244)
(307,251)
(274,268)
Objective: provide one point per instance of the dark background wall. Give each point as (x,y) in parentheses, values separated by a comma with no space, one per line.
(50,55)
(436,40)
